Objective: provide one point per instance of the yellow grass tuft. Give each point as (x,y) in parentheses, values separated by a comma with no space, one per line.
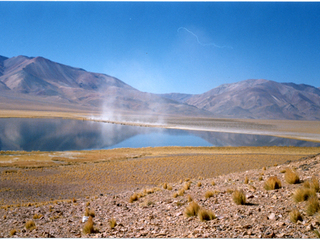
(295,215)
(165,186)
(239,197)
(272,183)
(112,223)
(246,180)
(88,227)
(13,232)
(205,215)
(169,187)
(186,186)
(30,225)
(37,216)
(199,184)
(181,192)
(313,183)
(209,194)
(213,183)
(133,198)
(89,212)
(303,194)
(291,176)
(192,209)
(190,199)
(313,205)
(175,195)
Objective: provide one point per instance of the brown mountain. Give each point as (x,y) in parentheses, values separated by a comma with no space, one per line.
(27,82)
(258,98)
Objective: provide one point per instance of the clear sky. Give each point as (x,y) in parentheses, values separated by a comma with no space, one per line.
(163,47)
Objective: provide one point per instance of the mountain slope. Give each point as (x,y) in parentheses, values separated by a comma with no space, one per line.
(38,78)
(259,98)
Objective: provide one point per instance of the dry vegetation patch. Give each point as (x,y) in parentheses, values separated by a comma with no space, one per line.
(291,176)
(272,183)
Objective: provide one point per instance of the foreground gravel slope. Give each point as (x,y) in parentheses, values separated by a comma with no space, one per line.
(160,214)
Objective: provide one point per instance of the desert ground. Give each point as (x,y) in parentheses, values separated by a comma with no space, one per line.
(148,192)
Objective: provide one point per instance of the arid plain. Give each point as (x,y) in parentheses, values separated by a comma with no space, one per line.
(36,180)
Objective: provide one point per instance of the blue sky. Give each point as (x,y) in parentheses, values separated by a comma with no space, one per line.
(162,47)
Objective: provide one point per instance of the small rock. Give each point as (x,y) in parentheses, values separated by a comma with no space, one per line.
(271,216)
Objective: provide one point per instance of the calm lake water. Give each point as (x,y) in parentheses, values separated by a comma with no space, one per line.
(63,135)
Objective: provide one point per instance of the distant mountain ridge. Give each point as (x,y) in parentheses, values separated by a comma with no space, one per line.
(259,98)
(32,82)
(38,81)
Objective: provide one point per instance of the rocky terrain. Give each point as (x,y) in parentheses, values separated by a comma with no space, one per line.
(160,212)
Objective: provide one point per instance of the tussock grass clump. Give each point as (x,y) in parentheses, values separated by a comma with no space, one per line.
(291,176)
(190,199)
(199,184)
(37,216)
(246,180)
(169,187)
(30,225)
(146,203)
(272,183)
(74,200)
(316,232)
(313,205)
(313,183)
(133,198)
(303,194)
(175,195)
(181,192)
(89,212)
(192,209)
(186,186)
(213,183)
(239,197)
(209,194)
(112,223)
(88,227)
(13,232)
(295,215)
(165,186)
(205,215)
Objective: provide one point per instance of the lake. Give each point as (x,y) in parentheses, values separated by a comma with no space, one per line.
(63,135)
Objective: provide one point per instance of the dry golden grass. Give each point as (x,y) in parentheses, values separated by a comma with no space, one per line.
(313,183)
(133,198)
(239,197)
(165,186)
(291,176)
(199,184)
(295,215)
(169,187)
(190,199)
(186,185)
(205,215)
(313,205)
(115,171)
(181,192)
(88,226)
(112,223)
(175,195)
(37,216)
(213,183)
(89,212)
(246,180)
(12,232)
(209,194)
(30,225)
(303,194)
(272,183)
(192,209)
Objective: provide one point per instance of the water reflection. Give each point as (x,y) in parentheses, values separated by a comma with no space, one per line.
(61,135)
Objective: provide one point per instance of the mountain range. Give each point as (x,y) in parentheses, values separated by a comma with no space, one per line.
(38,83)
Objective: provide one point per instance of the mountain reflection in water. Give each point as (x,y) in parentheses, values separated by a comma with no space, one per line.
(62,135)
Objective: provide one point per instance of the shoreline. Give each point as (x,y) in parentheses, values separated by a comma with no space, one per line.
(288,129)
